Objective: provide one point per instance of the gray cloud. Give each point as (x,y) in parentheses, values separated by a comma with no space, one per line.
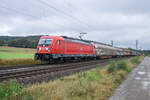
(123,21)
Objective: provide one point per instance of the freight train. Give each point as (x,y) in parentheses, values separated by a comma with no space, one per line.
(57,48)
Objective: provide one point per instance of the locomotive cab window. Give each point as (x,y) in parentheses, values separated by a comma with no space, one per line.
(45,42)
(58,42)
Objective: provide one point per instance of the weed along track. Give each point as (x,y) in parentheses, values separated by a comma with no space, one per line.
(46,73)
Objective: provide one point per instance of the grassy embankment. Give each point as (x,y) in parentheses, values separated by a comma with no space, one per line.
(16,56)
(95,84)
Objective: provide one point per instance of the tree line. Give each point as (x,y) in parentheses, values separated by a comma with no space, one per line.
(23,42)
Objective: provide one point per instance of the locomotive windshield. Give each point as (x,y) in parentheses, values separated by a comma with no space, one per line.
(45,42)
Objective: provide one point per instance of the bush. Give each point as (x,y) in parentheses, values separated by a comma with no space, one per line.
(92,76)
(135,60)
(121,65)
(11,90)
(129,69)
(122,74)
(28,96)
(118,79)
(112,67)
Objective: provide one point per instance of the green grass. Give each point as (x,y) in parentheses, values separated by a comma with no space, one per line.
(11,90)
(18,50)
(13,49)
(16,53)
(16,56)
(7,55)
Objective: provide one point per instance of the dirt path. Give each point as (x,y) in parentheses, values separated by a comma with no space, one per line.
(137,85)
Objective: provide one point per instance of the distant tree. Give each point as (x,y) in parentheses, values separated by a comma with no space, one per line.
(2,42)
(23,42)
(130,48)
(12,43)
(35,43)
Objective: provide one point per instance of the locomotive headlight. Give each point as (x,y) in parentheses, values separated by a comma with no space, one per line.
(39,49)
(47,49)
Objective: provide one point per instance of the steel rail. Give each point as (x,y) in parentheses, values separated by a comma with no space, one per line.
(44,70)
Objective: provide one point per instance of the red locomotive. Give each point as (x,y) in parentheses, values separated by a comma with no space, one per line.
(55,48)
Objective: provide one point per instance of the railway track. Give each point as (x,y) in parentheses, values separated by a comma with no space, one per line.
(45,73)
(34,65)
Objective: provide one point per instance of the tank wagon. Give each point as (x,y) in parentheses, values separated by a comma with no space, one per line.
(56,48)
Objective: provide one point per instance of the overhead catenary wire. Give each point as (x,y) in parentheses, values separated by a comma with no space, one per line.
(127,44)
(4,6)
(78,29)
(16,11)
(64,13)
(24,13)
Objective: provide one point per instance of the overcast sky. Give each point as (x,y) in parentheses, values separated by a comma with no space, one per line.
(122,21)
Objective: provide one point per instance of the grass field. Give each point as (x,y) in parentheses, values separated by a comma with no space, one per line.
(96,84)
(5,55)
(16,56)
(16,53)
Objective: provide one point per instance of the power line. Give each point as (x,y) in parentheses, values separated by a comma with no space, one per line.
(129,44)
(66,14)
(74,28)
(27,14)
(23,13)
(124,43)
(3,5)
(16,11)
